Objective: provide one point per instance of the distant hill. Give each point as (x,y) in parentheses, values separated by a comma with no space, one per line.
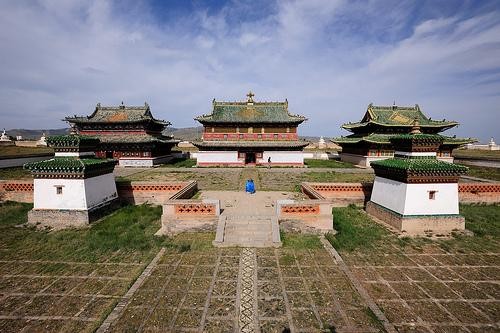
(36,134)
(186,133)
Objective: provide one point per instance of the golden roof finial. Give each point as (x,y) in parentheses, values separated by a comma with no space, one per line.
(250,96)
(416,127)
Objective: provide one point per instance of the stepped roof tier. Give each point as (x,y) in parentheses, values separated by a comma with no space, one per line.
(250,112)
(250,144)
(118,114)
(396,118)
(385,139)
(136,138)
(75,166)
(409,166)
(73,143)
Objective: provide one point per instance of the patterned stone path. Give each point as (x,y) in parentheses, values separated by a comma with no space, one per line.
(246,290)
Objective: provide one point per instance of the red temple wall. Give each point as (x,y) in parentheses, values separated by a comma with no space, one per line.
(250,136)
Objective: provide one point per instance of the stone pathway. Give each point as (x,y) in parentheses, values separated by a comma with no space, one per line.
(246,290)
(248,231)
(248,220)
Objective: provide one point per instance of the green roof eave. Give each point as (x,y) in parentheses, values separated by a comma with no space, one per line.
(69,165)
(385,139)
(428,165)
(432,124)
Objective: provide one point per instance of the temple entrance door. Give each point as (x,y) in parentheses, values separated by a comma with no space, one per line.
(109,154)
(250,158)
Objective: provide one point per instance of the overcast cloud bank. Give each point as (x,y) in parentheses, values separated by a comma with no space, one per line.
(329,58)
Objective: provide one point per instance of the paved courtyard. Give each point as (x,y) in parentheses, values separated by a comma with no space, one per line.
(270,290)
(433,291)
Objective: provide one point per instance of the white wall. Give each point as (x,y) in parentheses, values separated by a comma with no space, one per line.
(77,194)
(100,189)
(413,199)
(296,157)
(72,197)
(217,157)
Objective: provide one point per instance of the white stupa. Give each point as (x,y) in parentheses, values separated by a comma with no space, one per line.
(321,143)
(4,136)
(42,141)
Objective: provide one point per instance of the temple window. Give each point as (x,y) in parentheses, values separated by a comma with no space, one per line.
(259,136)
(288,129)
(276,136)
(241,136)
(372,152)
(262,130)
(432,195)
(213,129)
(59,189)
(241,155)
(225,136)
(250,130)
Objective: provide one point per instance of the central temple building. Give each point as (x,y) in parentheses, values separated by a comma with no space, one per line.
(370,138)
(250,133)
(129,134)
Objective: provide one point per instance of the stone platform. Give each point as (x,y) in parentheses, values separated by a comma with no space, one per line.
(417,225)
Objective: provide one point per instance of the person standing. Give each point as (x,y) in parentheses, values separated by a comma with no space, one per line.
(269,162)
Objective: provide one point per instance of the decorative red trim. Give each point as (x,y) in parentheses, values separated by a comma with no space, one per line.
(250,136)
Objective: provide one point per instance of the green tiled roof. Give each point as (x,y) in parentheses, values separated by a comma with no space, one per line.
(250,112)
(118,114)
(400,116)
(385,139)
(141,138)
(70,165)
(428,165)
(72,141)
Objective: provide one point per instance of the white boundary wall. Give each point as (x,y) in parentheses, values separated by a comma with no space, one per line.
(77,194)
(292,157)
(217,157)
(413,199)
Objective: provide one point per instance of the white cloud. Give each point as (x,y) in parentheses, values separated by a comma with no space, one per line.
(326,57)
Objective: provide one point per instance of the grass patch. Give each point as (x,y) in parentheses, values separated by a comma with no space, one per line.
(313,163)
(477,154)
(300,241)
(129,231)
(321,177)
(14,173)
(484,172)
(357,232)
(355,229)
(16,151)
(180,163)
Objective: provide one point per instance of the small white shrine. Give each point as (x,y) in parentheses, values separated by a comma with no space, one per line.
(73,188)
(4,136)
(321,143)
(42,141)
(415,192)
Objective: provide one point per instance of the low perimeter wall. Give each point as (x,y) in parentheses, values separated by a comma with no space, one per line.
(189,215)
(342,194)
(305,216)
(131,192)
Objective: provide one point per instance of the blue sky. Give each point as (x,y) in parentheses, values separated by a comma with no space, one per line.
(329,58)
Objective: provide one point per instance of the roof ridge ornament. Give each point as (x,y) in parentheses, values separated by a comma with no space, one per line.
(416,127)
(250,96)
(122,106)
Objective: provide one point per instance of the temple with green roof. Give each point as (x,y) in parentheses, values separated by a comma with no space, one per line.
(370,138)
(415,192)
(73,188)
(250,133)
(129,134)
